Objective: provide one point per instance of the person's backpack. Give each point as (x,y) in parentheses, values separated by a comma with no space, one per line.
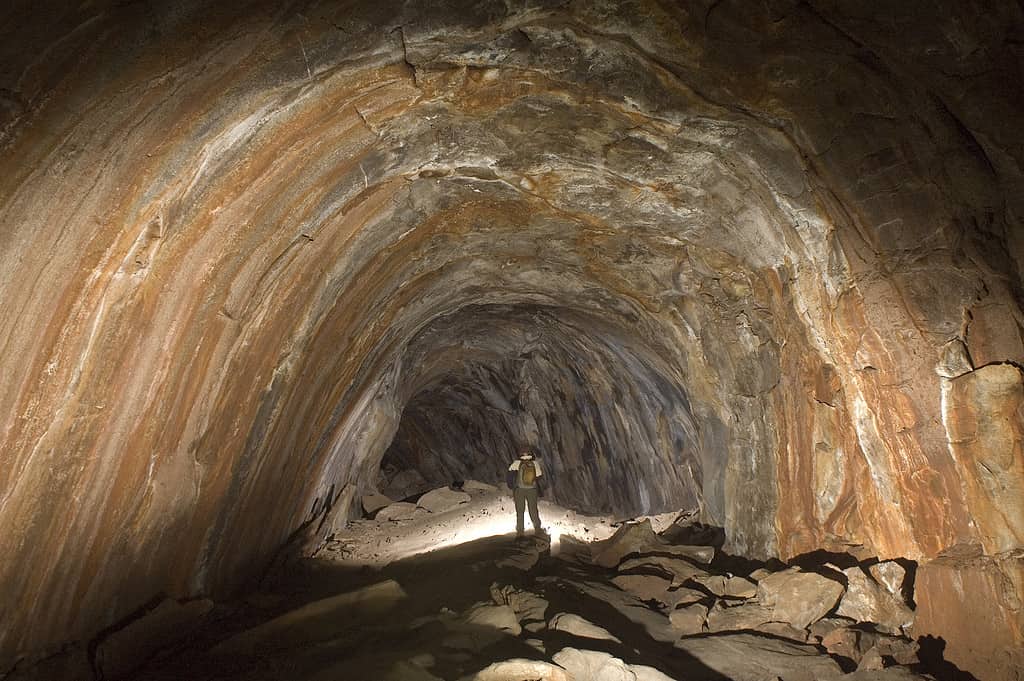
(527,474)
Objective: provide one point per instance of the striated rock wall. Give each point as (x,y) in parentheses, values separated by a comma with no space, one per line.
(703,253)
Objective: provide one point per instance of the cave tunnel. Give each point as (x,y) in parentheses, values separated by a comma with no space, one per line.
(760,260)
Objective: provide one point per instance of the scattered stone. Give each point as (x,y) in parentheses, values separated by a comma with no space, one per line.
(689,620)
(573,550)
(737,618)
(500,617)
(578,626)
(750,657)
(521,670)
(126,649)
(685,596)
(900,649)
(871,661)
(867,601)
(400,510)
(760,573)
(680,569)
(477,486)
(593,665)
(644,587)
(739,587)
(890,575)
(405,484)
(442,499)
(316,621)
(528,606)
(640,538)
(798,598)
(825,625)
(845,642)
(783,630)
(655,624)
(375,502)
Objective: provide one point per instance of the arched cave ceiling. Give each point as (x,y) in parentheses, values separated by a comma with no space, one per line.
(708,253)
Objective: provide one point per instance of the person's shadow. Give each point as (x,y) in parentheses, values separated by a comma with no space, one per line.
(933,661)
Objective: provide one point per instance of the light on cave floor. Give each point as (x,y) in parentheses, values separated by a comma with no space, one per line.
(486,515)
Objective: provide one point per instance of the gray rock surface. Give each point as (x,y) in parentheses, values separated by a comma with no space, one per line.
(866,600)
(572,623)
(442,499)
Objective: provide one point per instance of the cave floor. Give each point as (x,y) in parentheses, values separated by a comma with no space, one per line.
(464,610)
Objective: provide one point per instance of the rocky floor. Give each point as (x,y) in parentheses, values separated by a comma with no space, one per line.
(590,602)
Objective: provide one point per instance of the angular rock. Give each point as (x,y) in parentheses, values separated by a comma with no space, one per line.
(401,510)
(826,625)
(405,484)
(645,587)
(901,649)
(593,665)
(738,618)
(316,621)
(954,360)
(573,624)
(127,648)
(750,657)
(655,624)
(798,598)
(640,538)
(521,670)
(375,502)
(685,596)
(680,569)
(500,617)
(891,575)
(689,620)
(724,586)
(867,601)
(472,486)
(845,642)
(442,499)
(783,630)
(528,606)
(871,661)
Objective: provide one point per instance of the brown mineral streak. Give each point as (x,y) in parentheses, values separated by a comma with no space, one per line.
(204,306)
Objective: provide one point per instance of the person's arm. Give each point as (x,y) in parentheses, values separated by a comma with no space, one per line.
(510,476)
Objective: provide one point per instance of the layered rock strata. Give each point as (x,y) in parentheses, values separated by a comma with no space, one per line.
(705,254)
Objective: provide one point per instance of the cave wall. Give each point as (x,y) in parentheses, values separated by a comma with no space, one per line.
(231,235)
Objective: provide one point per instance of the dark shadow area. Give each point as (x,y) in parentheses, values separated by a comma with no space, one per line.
(933,661)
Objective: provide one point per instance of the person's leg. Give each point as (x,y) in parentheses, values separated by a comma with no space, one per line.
(531,500)
(520,498)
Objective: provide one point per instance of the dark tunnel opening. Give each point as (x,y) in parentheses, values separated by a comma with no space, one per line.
(615,428)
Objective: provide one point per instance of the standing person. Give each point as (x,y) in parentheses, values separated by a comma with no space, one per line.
(524,474)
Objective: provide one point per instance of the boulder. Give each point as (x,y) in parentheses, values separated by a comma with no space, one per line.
(680,569)
(845,642)
(593,665)
(890,575)
(521,670)
(684,596)
(640,538)
(129,647)
(689,620)
(500,617)
(375,502)
(316,621)
(528,606)
(401,510)
(751,657)
(655,624)
(645,587)
(867,601)
(442,499)
(903,650)
(578,626)
(405,484)
(473,486)
(798,598)
(871,661)
(737,618)
(825,625)
(783,630)
(725,586)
